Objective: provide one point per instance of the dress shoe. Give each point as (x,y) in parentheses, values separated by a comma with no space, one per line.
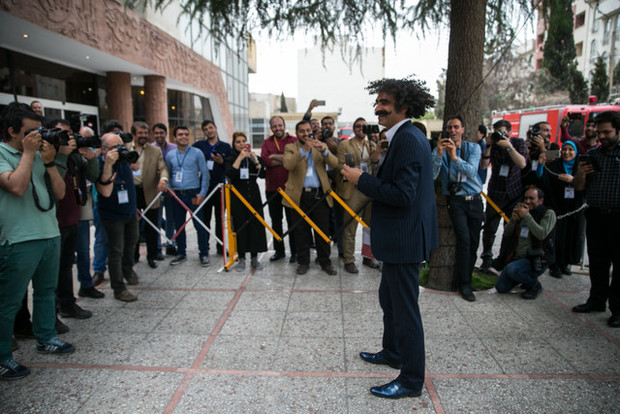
(60,327)
(90,292)
(276,256)
(160,257)
(98,278)
(370,263)
(614,321)
(204,261)
(394,390)
(486,263)
(467,294)
(177,260)
(589,307)
(293,258)
(554,271)
(125,296)
(152,263)
(330,270)
(171,251)
(75,311)
(378,359)
(533,292)
(566,270)
(302,269)
(132,279)
(351,268)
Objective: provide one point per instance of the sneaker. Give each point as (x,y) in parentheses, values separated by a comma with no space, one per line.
(125,296)
(11,370)
(204,261)
(75,311)
(256,264)
(177,260)
(55,346)
(90,292)
(60,327)
(132,279)
(240,267)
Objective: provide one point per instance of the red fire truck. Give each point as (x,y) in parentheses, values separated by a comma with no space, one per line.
(522,119)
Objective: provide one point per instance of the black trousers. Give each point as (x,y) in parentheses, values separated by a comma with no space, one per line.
(466,218)
(275,212)
(602,232)
(491,223)
(215,202)
(403,333)
(151,235)
(68,243)
(303,234)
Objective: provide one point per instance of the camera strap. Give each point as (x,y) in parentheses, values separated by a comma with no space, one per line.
(48,184)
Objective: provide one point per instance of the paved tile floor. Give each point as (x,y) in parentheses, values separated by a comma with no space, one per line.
(204,341)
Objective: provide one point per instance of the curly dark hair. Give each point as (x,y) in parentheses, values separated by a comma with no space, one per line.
(407,92)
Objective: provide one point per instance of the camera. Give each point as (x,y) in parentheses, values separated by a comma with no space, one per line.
(370,129)
(588,159)
(326,133)
(454,187)
(126,156)
(536,259)
(534,130)
(125,136)
(54,136)
(498,136)
(84,142)
(385,144)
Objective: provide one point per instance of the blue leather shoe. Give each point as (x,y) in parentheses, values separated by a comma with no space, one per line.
(394,390)
(379,359)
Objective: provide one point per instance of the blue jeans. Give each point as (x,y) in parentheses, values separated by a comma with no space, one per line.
(101,244)
(179,220)
(83,255)
(518,271)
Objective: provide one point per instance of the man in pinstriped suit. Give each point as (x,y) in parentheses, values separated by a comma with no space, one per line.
(404,229)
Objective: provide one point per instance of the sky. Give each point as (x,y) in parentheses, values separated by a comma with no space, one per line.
(277,66)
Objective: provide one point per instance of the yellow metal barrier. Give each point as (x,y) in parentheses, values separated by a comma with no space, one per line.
(254,212)
(492,204)
(347,208)
(232,237)
(304,216)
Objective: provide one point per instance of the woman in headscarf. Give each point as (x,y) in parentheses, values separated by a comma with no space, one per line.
(563,198)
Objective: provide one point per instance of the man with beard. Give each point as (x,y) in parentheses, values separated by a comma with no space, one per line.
(584,144)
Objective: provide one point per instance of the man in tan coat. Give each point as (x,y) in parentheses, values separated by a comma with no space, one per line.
(307,183)
(150,178)
(360,149)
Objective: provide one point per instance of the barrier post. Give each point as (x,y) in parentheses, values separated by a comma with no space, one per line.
(304,216)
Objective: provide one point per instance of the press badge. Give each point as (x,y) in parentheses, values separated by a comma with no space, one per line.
(569,192)
(137,173)
(178,177)
(210,165)
(310,172)
(504,170)
(364,166)
(525,232)
(123,197)
(534,165)
(244,173)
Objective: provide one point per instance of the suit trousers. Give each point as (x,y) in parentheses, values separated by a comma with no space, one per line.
(275,212)
(355,202)
(403,333)
(466,216)
(303,235)
(65,297)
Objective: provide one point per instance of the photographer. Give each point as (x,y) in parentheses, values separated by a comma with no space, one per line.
(583,144)
(598,175)
(458,162)
(529,238)
(117,208)
(29,236)
(507,157)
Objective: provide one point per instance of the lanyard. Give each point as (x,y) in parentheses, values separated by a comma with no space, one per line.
(276,142)
(184,156)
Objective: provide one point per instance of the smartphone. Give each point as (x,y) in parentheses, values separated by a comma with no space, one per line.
(321,103)
(247,147)
(349,160)
(385,144)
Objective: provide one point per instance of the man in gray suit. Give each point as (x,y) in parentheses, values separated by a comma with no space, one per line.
(404,229)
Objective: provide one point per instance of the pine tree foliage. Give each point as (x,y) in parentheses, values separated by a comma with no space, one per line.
(599,84)
(559,47)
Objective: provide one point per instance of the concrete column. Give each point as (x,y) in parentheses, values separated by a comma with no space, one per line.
(120,104)
(156,100)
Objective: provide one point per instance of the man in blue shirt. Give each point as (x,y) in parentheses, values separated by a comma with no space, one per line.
(189,178)
(458,162)
(215,151)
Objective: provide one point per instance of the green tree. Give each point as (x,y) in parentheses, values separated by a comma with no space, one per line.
(559,47)
(577,86)
(599,85)
(283,107)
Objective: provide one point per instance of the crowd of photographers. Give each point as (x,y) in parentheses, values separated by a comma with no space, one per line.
(58,177)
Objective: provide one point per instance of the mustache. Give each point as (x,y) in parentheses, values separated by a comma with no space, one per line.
(381,113)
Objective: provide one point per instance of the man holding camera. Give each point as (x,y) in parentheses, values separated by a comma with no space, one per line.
(584,144)
(189,175)
(306,161)
(150,178)
(272,153)
(358,149)
(117,208)
(29,236)
(598,175)
(507,157)
(458,163)
(528,238)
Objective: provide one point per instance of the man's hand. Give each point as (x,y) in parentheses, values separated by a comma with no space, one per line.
(521,210)
(313,104)
(538,141)
(32,142)
(567,178)
(447,145)
(503,143)
(217,158)
(351,174)
(199,199)
(564,122)
(308,144)
(69,148)
(585,168)
(318,145)
(161,186)
(48,152)
(111,157)
(87,153)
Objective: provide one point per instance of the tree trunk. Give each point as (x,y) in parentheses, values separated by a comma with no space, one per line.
(463,92)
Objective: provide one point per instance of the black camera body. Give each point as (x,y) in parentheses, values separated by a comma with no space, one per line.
(87,142)
(326,133)
(385,144)
(454,187)
(498,136)
(536,259)
(55,136)
(125,136)
(535,130)
(126,156)
(370,129)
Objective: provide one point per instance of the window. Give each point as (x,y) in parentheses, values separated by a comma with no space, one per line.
(579,48)
(580,19)
(593,53)
(595,21)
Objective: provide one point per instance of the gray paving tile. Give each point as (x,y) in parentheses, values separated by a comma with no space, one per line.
(353,347)
(284,278)
(469,395)
(241,353)
(360,302)
(224,280)
(167,350)
(590,355)
(360,400)
(201,322)
(315,301)
(210,300)
(131,320)
(454,323)
(309,355)
(316,279)
(156,298)
(313,324)
(363,324)
(253,323)
(449,354)
(263,301)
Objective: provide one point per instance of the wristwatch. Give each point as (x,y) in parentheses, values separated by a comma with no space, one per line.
(508,149)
